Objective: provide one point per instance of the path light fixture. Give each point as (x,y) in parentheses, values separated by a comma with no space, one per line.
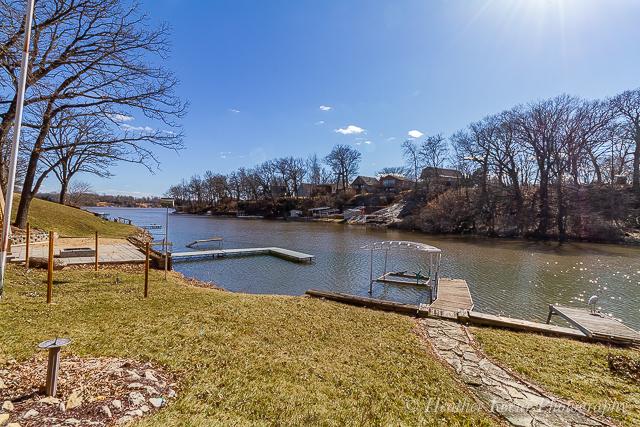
(54,346)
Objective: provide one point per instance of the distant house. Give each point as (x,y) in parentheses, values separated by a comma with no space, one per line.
(395,183)
(313,190)
(278,190)
(365,184)
(441,175)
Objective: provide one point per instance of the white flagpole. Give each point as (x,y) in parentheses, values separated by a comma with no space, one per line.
(11,181)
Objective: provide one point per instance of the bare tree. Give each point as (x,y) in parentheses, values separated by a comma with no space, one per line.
(434,151)
(79,192)
(413,159)
(344,162)
(627,106)
(91,56)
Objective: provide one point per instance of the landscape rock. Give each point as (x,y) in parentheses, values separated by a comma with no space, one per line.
(3,418)
(105,410)
(124,420)
(156,402)
(136,398)
(7,406)
(74,400)
(72,421)
(116,404)
(136,386)
(135,413)
(149,375)
(144,408)
(50,400)
(30,414)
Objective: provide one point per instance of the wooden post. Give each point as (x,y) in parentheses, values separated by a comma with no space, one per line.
(146,271)
(26,248)
(50,269)
(96,250)
(550,314)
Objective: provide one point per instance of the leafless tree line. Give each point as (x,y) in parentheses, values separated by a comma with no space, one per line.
(282,177)
(90,72)
(536,158)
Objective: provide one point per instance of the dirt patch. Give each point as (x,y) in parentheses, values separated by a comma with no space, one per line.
(91,392)
(624,366)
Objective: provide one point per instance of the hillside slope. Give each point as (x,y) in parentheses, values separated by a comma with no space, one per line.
(71,222)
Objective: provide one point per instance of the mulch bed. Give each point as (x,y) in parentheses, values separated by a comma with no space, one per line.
(91,392)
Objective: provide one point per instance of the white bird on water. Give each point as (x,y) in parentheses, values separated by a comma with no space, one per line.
(592,303)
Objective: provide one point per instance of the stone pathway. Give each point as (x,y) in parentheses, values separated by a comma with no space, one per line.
(518,403)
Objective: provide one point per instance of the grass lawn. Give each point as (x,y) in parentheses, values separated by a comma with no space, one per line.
(241,359)
(71,222)
(570,369)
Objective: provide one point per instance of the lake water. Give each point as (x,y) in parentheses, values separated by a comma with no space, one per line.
(515,278)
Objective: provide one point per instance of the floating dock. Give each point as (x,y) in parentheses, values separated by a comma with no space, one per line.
(596,326)
(220,253)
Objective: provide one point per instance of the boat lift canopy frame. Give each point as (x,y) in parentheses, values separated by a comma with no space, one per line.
(435,258)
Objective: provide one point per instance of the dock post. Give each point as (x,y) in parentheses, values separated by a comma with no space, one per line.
(371,272)
(550,314)
(50,270)
(96,267)
(26,248)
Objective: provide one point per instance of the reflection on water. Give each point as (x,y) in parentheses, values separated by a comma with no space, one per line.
(515,278)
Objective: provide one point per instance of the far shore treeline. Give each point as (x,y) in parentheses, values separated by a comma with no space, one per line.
(558,168)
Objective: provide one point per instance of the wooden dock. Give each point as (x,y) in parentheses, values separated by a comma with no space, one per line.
(220,253)
(596,326)
(485,319)
(218,240)
(452,298)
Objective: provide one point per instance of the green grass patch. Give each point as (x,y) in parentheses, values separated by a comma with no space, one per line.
(570,369)
(71,222)
(241,359)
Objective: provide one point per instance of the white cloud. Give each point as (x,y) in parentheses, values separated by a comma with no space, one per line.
(127,127)
(225,154)
(319,122)
(415,133)
(350,130)
(120,118)
(325,108)
(391,138)
(234,110)
(367,142)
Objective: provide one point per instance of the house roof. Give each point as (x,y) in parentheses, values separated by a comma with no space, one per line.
(441,172)
(398,177)
(368,180)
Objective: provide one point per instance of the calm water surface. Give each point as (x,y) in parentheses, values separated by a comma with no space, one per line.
(513,278)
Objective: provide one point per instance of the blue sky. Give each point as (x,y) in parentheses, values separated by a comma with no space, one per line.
(256,73)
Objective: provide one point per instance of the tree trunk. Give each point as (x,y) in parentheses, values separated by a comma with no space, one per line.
(63,191)
(27,194)
(543,223)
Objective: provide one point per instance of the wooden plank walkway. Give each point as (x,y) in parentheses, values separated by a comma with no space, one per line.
(485,319)
(216,253)
(596,326)
(110,251)
(374,303)
(452,297)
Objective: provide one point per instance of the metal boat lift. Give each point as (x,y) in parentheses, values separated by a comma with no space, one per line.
(402,277)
